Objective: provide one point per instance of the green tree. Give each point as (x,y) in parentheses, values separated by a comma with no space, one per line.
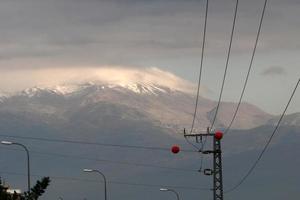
(35,192)
(38,190)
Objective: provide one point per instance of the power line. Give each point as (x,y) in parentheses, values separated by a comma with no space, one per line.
(193,145)
(202,156)
(201,66)
(156,186)
(92,143)
(108,161)
(224,77)
(227,62)
(267,144)
(249,69)
(112,182)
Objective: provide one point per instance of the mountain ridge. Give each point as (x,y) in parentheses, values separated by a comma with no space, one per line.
(168,107)
(119,116)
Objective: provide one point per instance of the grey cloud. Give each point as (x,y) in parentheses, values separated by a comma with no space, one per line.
(274,70)
(134,30)
(32,53)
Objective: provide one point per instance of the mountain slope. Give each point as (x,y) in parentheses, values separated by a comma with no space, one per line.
(145,114)
(248,116)
(240,150)
(164,106)
(288,120)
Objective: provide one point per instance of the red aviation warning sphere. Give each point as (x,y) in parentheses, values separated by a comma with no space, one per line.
(218,135)
(175,149)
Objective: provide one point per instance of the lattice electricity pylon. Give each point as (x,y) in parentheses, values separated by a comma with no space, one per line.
(218,177)
(217,161)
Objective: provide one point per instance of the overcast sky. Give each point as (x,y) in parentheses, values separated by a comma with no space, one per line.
(47,34)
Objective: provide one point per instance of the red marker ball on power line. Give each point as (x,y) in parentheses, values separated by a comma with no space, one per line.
(175,149)
(219,135)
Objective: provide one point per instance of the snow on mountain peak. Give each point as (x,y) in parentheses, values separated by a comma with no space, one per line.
(69,89)
(138,88)
(65,89)
(33,91)
(144,80)
(142,88)
(138,80)
(3,96)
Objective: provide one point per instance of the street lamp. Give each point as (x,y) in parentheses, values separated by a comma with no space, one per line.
(169,190)
(28,160)
(97,171)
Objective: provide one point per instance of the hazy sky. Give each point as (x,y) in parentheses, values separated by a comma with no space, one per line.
(48,34)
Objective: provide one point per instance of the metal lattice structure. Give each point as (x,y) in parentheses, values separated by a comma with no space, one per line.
(217,171)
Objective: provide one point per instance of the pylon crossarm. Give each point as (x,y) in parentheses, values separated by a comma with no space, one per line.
(199,135)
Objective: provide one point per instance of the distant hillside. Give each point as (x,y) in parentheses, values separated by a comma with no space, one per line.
(166,107)
(288,120)
(249,116)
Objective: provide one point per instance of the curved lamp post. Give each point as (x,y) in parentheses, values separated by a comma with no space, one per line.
(97,171)
(28,159)
(170,190)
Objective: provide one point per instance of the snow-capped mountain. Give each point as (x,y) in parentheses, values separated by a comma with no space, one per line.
(139,113)
(164,106)
(73,89)
(3,96)
(288,120)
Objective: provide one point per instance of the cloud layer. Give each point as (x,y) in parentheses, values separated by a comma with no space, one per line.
(74,34)
(130,32)
(20,79)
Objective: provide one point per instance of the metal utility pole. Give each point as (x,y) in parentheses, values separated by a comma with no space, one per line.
(170,190)
(216,172)
(28,159)
(104,178)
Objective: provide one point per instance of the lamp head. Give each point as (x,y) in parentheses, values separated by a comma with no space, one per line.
(6,143)
(164,189)
(88,170)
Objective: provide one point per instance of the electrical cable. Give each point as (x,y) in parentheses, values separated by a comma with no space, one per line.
(227,63)
(266,145)
(202,157)
(92,143)
(249,69)
(111,182)
(224,76)
(201,66)
(106,161)
(192,144)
